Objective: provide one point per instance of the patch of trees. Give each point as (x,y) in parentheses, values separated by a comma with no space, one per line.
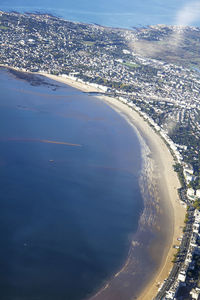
(179,169)
(197,204)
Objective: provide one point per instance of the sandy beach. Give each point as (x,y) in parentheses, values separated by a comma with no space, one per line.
(76,84)
(168,184)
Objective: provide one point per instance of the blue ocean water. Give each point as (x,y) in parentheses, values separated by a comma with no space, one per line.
(114,13)
(67,211)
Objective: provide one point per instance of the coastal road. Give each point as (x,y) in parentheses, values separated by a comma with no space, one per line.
(178,265)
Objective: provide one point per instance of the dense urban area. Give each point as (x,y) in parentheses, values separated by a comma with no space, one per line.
(155,71)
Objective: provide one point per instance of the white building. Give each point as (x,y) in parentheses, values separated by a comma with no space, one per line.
(195,293)
(182,276)
(191,194)
(198,193)
(197,215)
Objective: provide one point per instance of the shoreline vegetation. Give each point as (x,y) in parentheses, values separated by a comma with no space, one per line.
(166,214)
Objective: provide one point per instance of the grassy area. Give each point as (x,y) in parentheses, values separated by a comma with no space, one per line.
(176,256)
(88,43)
(186,218)
(3,27)
(131,65)
(197,204)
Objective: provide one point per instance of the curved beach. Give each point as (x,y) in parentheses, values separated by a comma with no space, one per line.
(168,184)
(163,217)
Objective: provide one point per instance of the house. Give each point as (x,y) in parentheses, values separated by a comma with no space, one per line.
(195,293)
(191,194)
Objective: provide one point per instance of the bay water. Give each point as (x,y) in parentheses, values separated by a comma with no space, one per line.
(114,13)
(70,200)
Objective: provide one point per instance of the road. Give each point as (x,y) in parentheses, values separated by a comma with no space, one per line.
(180,258)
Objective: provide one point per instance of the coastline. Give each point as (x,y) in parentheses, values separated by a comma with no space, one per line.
(168,184)
(162,184)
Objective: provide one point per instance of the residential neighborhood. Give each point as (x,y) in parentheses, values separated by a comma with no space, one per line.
(164,92)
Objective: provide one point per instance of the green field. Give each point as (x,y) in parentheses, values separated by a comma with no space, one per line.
(3,27)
